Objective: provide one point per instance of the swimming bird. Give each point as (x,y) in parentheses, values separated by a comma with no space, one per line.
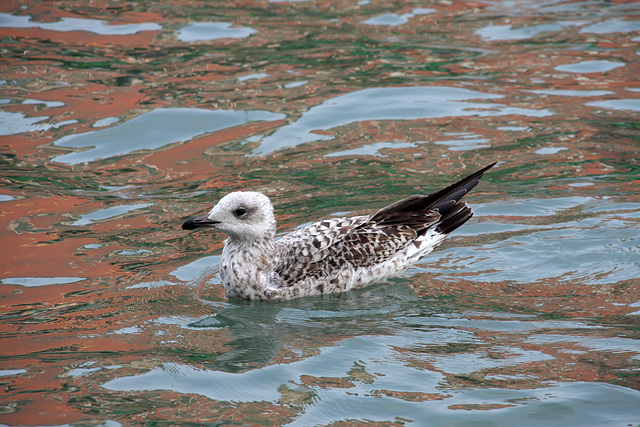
(334,255)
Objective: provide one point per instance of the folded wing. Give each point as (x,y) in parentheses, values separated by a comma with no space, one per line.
(326,247)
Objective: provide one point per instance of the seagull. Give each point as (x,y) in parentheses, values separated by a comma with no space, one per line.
(333,255)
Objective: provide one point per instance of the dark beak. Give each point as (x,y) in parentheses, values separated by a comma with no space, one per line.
(200,221)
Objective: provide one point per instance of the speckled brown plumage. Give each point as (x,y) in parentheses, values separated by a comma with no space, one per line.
(333,255)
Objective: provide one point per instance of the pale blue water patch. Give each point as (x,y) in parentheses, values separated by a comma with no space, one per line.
(513,128)
(182,321)
(393,19)
(559,92)
(152,130)
(151,285)
(76,24)
(63,123)
(185,322)
(465,142)
(394,103)
(14,123)
(213,31)
(81,372)
(107,121)
(581,184)
(565,404)
(40,281)
(586,67)
(487,227)
(635,313)
(372,149)
(463,326)
(108,213)
(615,207)
(530,207)
(550,150)
(422,11)
(196,269)
(617,104)
(47,104)
(92,246)
(507,32)
(590,342)
(296,84)
(85,369)
(12,372)
(470,362)
(6,197)
(612,26)
(117,188)
(595,250)
(601,247)
(186,379)
(253,76)
(581,6)
(130,330)
(134,253)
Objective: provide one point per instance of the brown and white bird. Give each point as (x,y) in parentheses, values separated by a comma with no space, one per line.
(334,255)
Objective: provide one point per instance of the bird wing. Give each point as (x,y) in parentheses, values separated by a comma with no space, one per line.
(327,247)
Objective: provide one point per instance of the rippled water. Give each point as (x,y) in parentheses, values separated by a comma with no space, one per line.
(118,121)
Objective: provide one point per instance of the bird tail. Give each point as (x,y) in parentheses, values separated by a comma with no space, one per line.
(447,202)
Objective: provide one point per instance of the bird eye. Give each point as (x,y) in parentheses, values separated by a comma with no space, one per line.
(240,211)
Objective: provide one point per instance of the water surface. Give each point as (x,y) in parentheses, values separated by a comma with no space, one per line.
(117,122)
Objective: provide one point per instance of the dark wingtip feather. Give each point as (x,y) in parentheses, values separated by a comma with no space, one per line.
(455,191)
(441,201)
(455,217)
